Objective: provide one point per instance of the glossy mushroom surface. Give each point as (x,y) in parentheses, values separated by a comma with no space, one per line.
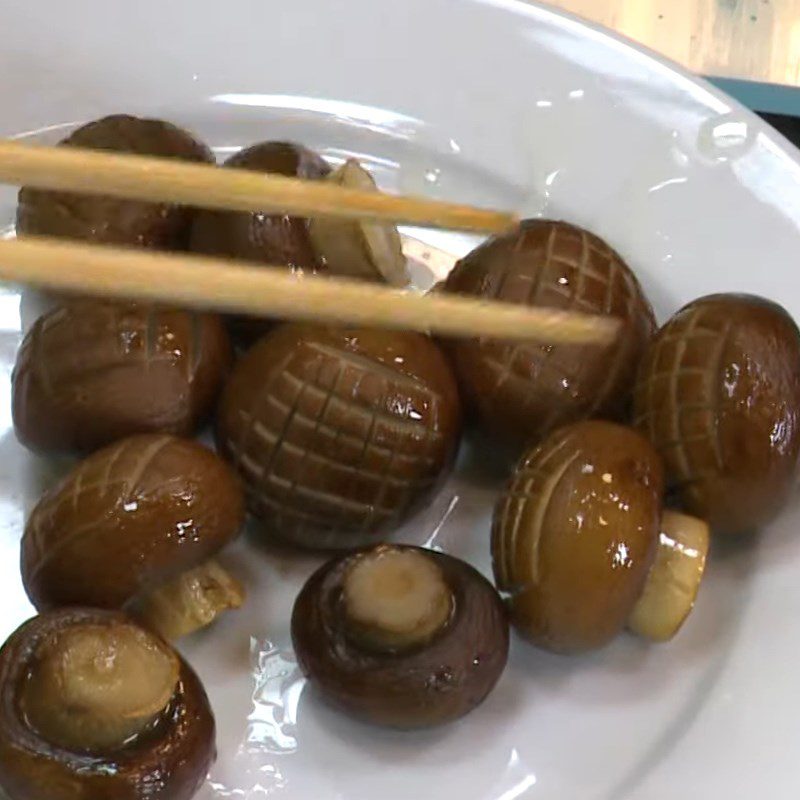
(127,520)
(575,533)
(92,705)
(400,636)
(523,391)
(274,239)
(108,220)
(91,372)
(339,433)
(718,394)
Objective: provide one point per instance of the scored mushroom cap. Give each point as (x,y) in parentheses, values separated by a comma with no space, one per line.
(400,636)
(575,533)
(523,391)
(718,394)
(274,239)
(127,518)
(109,220)
(168,760)
(339,433)
(91,372)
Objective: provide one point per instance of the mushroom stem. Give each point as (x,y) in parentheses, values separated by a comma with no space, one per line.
(192,600)
(94,687)
(395,599)
(674,579)
(359,248)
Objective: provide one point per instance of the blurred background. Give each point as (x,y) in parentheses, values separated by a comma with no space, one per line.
(757,40)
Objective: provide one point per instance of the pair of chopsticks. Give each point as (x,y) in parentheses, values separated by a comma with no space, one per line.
(193,281)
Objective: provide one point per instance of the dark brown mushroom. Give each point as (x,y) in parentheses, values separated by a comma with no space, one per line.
(339,433)
(576,532)
(400,636)
(91,372)
(92,705)
(718,394)
(109,220)
(523,391)
(136,525)
(275,239)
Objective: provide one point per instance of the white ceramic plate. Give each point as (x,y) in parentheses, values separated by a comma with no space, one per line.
(506,104)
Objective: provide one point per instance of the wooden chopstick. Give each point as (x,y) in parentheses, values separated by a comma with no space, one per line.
(169,180)
(198,282)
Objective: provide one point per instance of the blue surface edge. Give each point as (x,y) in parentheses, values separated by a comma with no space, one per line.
(768,97)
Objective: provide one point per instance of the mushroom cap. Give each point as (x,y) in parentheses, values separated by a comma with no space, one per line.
(435,683)
(575,533)
(91,372)
(109,220)
(127,518)
(523,391)
(275,239)
(718,394)
(169,762)
(339,433)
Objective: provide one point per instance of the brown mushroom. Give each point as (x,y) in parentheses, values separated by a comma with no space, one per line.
(400,636)
(339,433)
(136,525)
(523,391)
(576,532)
(718,394)
(91,372)
(92,705)
(108,220)
(274,239)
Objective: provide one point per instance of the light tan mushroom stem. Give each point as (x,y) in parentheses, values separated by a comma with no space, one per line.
(359,248)
(395,599)
(192,600)
(94,687)
(674,578)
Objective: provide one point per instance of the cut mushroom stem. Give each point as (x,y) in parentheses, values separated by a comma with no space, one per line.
(192,600)
(95,687)
(359,248)
(395,599)
(674,578)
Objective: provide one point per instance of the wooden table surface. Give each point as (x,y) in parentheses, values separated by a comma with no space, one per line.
(755,39)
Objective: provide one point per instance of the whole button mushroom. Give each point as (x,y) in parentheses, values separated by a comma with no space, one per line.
(339,433)
(107,220)
(718,394)
(400,636)
(523,391)
(274,239)
(91,372)
(136,526)
(576,535)
(92,705)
